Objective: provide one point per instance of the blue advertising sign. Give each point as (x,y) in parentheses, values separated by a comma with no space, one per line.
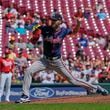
(47,92)
(44,92)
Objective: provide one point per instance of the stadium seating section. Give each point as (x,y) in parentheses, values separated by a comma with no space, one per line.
(67,8)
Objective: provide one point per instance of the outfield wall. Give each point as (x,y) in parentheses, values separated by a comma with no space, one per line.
(40,91)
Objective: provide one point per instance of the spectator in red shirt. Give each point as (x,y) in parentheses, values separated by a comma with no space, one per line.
(79,14)
(28,17)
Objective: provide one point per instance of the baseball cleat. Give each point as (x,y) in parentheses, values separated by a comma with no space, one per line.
(7,100)
(23,99)
(102,91)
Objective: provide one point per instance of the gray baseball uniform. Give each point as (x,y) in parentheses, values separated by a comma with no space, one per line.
(57,65)
(52,59)
(53,36)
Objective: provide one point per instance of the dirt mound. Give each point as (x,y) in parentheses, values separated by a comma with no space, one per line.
(75,99)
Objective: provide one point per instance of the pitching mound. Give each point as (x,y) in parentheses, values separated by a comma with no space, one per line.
(74,99)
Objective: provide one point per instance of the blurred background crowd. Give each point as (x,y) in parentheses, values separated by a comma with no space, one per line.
(85,62)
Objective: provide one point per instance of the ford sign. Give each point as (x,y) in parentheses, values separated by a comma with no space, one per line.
(41,92)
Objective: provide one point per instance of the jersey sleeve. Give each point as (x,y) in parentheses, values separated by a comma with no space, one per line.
(64,32)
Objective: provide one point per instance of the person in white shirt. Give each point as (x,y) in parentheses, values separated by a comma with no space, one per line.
(20,20)
(94,75)
(12,10)
(101,41)
(47,77)
(91,41)
(99,6)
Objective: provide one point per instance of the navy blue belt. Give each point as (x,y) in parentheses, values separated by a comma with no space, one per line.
(52,58)
(6,72)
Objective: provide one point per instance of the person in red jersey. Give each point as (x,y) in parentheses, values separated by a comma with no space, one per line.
(6,70)
(79,13)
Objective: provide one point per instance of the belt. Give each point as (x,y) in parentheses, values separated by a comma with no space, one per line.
(6,72)
(52,58)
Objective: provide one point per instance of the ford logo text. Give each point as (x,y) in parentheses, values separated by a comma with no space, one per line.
(41,92)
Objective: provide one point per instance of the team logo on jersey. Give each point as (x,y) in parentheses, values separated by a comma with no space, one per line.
(7,63)
(41,92)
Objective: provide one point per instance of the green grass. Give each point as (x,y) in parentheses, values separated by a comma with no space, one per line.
(67,106)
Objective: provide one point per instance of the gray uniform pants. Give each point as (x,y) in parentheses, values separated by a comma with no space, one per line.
(57,65)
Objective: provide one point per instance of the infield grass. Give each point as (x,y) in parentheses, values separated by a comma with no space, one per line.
(67,106)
